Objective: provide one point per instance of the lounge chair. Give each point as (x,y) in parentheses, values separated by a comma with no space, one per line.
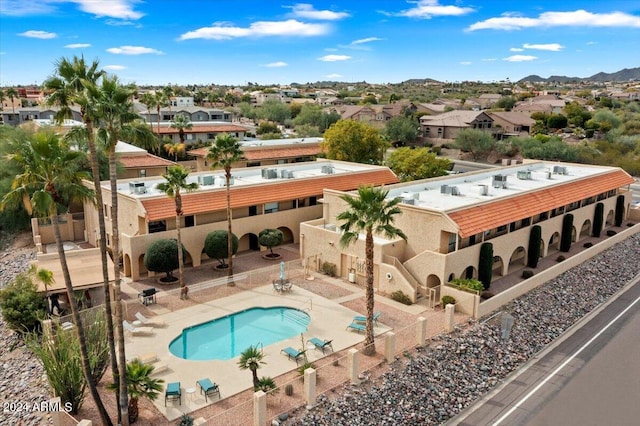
(208,388)
(321,344)
(362,318)
(173,392)
(293,354)
(136,331)
(152,322)
(357,327)
(149,358)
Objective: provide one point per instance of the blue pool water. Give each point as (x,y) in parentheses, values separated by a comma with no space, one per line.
(226,337)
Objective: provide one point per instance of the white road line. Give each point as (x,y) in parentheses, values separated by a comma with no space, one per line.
(564,364)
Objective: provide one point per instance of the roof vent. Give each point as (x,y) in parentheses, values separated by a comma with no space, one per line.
(499,181)
(524,175)
(409,198)
(484,189)
(329,170)
(137,188)
(560,170)
(269,173)
(446,189)
(206,180)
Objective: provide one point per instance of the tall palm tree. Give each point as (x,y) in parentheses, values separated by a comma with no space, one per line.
(223,153)
(370,212)
(147,99)
(50,181)
(176,180)
(115,120)
(67,89)
(250,359)
(174,149)
(12,93)
(182,123)
(140,384)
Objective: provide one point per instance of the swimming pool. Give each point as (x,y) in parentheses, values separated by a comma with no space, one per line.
(226,337)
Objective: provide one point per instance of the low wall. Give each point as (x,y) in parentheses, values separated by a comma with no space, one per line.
(466,303)
(542,277)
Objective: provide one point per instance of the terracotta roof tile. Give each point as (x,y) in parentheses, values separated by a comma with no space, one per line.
(266,153)
(149,160)
(221,128)
(488,216)
(242,196)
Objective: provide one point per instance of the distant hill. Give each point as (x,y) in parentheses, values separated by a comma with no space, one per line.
(420,81)
(626,74)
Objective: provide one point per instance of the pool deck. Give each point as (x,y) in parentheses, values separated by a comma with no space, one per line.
(328,321)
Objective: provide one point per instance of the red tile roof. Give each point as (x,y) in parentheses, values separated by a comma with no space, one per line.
(264,153)
(242,196)
(139,161)
(479,218)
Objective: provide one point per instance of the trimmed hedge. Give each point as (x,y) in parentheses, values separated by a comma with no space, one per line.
(567,231)
(598,220)
(485,265)
(619,210)
(162,256)
(533,254)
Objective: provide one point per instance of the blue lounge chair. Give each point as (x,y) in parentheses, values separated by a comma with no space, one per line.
(173,392)
(361,318)
(321,344)
(208,388)
(293,354)
(357,326)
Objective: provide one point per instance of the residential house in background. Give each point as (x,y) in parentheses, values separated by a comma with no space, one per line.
(511,123)
(201,131)
(448,124)
(138,163)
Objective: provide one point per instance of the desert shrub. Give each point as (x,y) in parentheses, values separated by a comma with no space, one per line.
(527,273)
(266,385)
(185,420)
(587,245)
(21,305)
(307,364)
(216,245)
(468,283)
(329,268)
(448,300)
(399,296)
(288,389)
(611,233)
(560,258)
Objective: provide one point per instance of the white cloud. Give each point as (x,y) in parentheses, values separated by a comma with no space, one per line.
(516,49)
(304,10)
(554,47)
(428,8)
(38,34)
(366,40)
(24,8)
(520,58)
(278,64)
(334,75)
(225,31)
(133,50)
(576,18)
(334,58)
(115,67)
(77,45)
(121,9)
(489,59)
(466,63)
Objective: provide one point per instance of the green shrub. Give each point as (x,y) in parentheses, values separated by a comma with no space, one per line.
(560,258)
(266,385)
(399,296)
(329,268)
(21,305)
(567,232)
(485,265)
(448,300)
(527,273)
(307,364)
(468,283)
(270,238)
(598,217)
(533,255)
(185,420)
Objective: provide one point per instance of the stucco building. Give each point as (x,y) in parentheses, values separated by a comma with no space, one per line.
(448,219)
(261,197)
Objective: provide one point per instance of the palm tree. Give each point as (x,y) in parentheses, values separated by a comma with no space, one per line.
(182,123)
(176,180)
(67,89)
(370,213)
(250,359)
(147,99)
(140,384)
(12,93)
(223,153)
(115,120)
(174,149)
(50,181)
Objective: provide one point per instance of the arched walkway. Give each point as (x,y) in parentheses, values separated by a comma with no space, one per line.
(287,235)
(126,265)
(248,242)
(498,266)
(554,241)
(469,272)
(518,259)
(433,281)
(610,218)
(585,230)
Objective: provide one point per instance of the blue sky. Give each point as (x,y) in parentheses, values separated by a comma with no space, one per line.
(379,41)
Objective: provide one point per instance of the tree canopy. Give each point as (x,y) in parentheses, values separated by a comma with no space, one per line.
(419,163)
(402,130)
(216,245)
(162,256)
(479,143)
(350,140)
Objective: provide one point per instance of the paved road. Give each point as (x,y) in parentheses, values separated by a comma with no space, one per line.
(589,377)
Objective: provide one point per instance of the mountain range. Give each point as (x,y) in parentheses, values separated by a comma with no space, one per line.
(627,74)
